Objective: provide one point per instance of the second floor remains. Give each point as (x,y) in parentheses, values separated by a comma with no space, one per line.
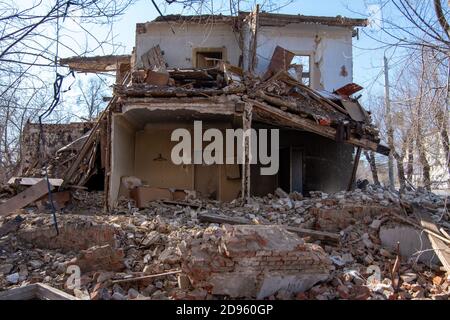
(322,46)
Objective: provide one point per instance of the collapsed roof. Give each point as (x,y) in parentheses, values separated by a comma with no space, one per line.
(267,19)
(277,98)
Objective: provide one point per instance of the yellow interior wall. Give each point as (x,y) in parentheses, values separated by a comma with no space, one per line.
(164,174)
(151,142)
(229,189)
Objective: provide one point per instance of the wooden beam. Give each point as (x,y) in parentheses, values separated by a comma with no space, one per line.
(266,113)
(351,183)
(39,291)
(152,276)
(24,198)
(95,64)
(46,292)
(27,181)
(313,234)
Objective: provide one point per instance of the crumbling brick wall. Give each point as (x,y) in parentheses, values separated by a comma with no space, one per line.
(254,261)
(56,137)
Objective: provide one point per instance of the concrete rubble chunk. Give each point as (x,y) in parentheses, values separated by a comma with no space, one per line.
(256,261)
(6,268)
(13,278)
(280,193)
(101,258)
(219,261)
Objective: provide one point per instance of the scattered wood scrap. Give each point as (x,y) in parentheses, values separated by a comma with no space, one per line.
(152,276)
(24,198)
(36,291)
(182,203)
(29,181)
(313,234)
(95,64)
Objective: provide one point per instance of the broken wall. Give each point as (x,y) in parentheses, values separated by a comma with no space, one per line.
(146,153)
(331,58)
(152,158)
(179,46)
(329,48)
(56,137)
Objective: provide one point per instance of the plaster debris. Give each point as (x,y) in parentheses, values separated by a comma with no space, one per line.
(139,253)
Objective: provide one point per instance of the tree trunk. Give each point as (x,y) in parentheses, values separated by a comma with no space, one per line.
(370,157)
(410,165)
(442,122)
(426,180)
(390,130)
(400,171)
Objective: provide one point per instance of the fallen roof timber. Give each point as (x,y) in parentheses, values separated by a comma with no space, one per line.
(39,291)
(95,64)
(266,113)
(24,198)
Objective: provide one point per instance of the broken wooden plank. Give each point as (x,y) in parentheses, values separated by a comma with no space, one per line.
(283,104)
(266,113)
(215,218)
(46,292)
(22,293)
(95,64)
(24,198)
(29,181)
(11,226)
(440,246)
(182,203)
(147,277)
(313,234)
(36,291)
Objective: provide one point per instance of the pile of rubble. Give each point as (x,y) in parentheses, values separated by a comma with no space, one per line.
(172,251)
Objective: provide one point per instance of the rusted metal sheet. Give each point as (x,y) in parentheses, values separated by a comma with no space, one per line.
(348,89)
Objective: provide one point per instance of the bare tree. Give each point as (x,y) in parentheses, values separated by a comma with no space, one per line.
(91,96)
(32,35)
(417,34)
(370,157)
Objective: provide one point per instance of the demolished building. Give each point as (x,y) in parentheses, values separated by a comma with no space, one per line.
(293,73)
(257,70)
